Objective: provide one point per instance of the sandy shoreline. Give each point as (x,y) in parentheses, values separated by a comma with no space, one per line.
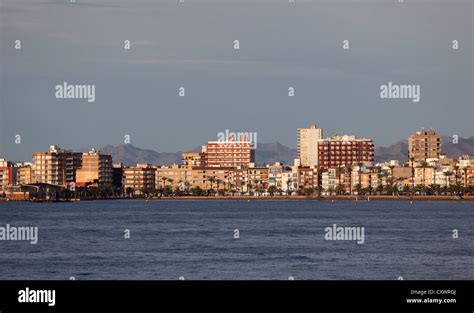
(283,198)
(332,198)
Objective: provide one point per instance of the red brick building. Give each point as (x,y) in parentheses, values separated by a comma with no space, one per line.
(344,150)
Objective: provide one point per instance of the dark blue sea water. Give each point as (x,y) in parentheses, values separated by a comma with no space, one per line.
(278,239)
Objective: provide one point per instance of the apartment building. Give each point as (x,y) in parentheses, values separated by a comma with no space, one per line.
(96,168)
(329,180)
(424,145)
(193,159)
(345,150)
(424,176)
(289,180)
(211,177)
(228,154)
(174,176)
(24,175)
(257,177)
(117,174)
(238,179)
(140,178)
(307,178)
(6,174)
(307,144)
(56,166)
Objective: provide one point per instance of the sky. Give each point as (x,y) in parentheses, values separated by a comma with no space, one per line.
(191,45)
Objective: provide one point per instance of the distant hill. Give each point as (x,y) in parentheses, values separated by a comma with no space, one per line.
(276,152)
(131,155)
(464,146)
(397,151)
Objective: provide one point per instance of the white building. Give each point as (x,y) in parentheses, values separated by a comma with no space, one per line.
(308,145)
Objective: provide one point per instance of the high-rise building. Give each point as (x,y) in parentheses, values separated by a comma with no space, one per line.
(308,139)
(57,166)
(424,144)
(96,168)
(229,153)
(345,151)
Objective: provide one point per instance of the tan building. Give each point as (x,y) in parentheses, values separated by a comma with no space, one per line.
(192,159)
(56,167)
(424,176)
(308,145)
(402,172)
(24,175)
(468,177)
(178,177)
(96,168)
(423,145)
(139,178)
(238,179)
(211,177)
(257,177)
(229,153)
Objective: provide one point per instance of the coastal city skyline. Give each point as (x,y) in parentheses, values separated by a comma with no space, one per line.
(324,166)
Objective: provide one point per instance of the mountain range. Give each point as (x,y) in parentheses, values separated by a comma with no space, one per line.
(276,152)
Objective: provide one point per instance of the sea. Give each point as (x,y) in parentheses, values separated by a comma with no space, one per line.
(238,240)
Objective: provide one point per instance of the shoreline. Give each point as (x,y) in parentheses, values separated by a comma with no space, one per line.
(331,198)
(271,198)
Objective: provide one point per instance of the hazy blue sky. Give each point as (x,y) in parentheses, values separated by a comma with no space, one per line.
(190,44)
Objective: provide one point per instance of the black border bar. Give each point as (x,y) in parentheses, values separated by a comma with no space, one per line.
(240,296)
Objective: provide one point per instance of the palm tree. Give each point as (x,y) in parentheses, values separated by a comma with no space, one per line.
(412,164)
(242,185)
(424,165)
(447,174)
(465,177)
(186,186)
(349,173)
(391,173)
(339,189)
(272,190)
(288,184)
(257,186)
(456,173)
(359,164)
(212,180)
